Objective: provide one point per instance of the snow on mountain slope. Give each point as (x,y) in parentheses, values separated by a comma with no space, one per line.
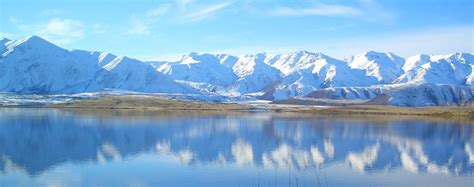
(100,58)
(105,58)
(386,67)
(431,95)
(443,69)
(413,95)
(3,43)
(201,68)
(156,64)
(470,77)
(34,65)
(254,74)
(317,71)
(288,63)
(227,60)
(415,62)
(130,74)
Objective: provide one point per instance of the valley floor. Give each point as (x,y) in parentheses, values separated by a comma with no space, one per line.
(156,103)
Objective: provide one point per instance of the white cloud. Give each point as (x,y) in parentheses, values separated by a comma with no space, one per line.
(183,4)
(158,11)
(139,27)
(184,10)
(368,3)
(367,10)
(205,12)
(318,10)
(98,28)
(57,30)
(373,11)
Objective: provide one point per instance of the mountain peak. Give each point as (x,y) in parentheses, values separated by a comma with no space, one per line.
(124,59)
(371,55)
(194,57)
(33,44)
(384,66)
(3,43)
(420,57)
(463,55)
(193,54)
(4,40)
(307,53)
(33,41)
(459,57)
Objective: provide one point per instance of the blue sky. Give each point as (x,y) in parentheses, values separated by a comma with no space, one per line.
(158,29)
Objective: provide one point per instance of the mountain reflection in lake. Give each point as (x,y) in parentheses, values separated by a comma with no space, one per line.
(51,147)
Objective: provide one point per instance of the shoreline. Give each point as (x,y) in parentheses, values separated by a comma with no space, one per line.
(157,104)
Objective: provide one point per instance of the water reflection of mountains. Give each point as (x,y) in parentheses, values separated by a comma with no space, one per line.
(35,140)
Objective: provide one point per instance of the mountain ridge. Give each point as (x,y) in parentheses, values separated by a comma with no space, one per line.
(35,65)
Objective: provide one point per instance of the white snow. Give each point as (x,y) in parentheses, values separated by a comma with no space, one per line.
(203,68)
(386,67)
(36,66)
(447,69)
(320,71)
(130,74)
(33,65)
(253,74)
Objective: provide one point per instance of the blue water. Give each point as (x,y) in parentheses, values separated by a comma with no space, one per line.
(46,147)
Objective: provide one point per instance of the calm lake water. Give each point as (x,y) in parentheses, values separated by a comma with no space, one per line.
(45,147)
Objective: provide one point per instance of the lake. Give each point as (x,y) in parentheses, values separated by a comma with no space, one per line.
(48,147)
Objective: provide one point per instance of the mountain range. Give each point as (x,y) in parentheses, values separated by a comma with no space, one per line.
(36,66)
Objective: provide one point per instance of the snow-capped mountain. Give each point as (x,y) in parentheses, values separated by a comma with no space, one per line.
(425,94)
(129,74)
(312,71)
(254,74)
(3,42)
(101,58)
(204,72)
(34,65)
(386,67)
(222,73)
(205,68)
(441,69)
